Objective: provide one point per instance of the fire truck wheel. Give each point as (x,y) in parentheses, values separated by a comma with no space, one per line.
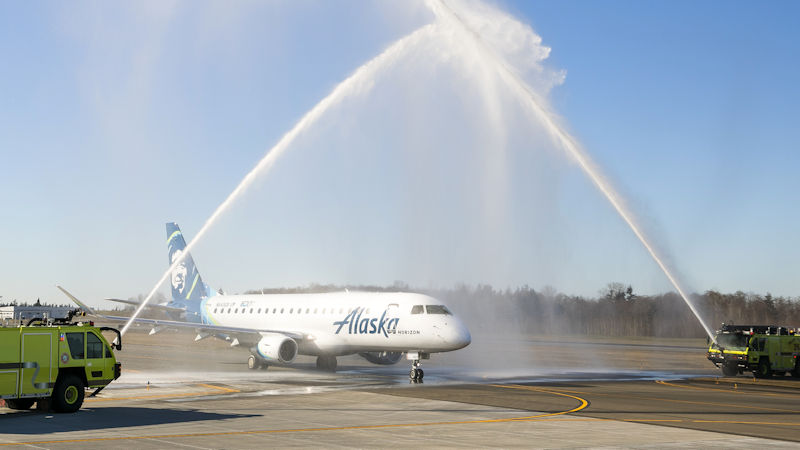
(763,370)
(730,370)
(68,394)
(20,403)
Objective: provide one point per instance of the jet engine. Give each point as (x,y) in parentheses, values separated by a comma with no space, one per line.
(382,358)
(277,347)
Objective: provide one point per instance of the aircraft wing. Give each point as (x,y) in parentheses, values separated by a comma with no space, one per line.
(154,306)
(255,333)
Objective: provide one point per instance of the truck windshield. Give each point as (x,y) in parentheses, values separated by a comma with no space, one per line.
(734,341)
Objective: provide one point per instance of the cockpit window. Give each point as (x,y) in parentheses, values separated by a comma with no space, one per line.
(438,309)
(417,309)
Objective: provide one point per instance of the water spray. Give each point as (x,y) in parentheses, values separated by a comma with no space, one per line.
(361,80)
(356,83)
(450,18)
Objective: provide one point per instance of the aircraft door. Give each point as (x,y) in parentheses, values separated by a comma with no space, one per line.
(392,317)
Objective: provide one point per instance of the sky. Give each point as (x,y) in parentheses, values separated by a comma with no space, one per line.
(118,117)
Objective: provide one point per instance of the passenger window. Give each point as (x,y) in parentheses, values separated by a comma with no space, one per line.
(259,310)
(94,347)
(251,310)
(107,353)
(291,310)
(307,310)
(75,341)
(437,309)
(417,309)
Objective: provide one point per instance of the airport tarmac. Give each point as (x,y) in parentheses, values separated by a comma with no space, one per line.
(177,393)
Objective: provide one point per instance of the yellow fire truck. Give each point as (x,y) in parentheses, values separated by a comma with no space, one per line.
(54,364)
(764,350)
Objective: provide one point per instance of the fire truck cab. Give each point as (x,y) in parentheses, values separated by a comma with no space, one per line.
(765,350)
(55,364)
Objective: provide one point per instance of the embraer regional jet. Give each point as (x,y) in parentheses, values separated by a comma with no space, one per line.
(276,328)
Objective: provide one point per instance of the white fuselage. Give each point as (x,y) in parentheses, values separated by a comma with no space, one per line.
(341,323)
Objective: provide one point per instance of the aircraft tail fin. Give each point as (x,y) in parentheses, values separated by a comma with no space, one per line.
(187,285)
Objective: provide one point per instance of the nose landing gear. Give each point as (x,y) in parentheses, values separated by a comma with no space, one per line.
(416,374)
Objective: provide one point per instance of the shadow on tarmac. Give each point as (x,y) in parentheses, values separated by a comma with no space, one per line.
(85,419)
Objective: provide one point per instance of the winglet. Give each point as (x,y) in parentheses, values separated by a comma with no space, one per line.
(78,302)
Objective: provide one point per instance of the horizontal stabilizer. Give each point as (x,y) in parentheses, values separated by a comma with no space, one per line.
(153,306)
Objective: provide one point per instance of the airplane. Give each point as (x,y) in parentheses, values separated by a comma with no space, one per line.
(275,328)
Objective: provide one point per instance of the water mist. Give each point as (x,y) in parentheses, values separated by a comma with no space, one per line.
(469,42)
(356,83)
(473,42)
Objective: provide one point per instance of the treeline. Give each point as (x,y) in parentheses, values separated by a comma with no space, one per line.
(36,303)
(616,311)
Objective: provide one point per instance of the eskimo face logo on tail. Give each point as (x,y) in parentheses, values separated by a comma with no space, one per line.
(185,279)
(179,274)
(367,325)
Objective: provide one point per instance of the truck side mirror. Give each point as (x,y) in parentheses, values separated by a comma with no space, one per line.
(117,342)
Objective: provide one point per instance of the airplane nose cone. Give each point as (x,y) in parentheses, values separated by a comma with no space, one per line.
(461,337)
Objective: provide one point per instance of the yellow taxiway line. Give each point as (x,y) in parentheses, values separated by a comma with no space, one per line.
(690,402)
(583,404)
(163,396)
(730,391)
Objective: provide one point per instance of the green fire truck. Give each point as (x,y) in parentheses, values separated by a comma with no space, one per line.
(54,364)
(765,350)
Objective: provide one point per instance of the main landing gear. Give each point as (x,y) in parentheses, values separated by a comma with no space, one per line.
(416,374)
(254,363)
(326,363)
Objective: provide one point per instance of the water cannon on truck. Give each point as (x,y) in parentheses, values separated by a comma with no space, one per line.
(54,362)
(765,350)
